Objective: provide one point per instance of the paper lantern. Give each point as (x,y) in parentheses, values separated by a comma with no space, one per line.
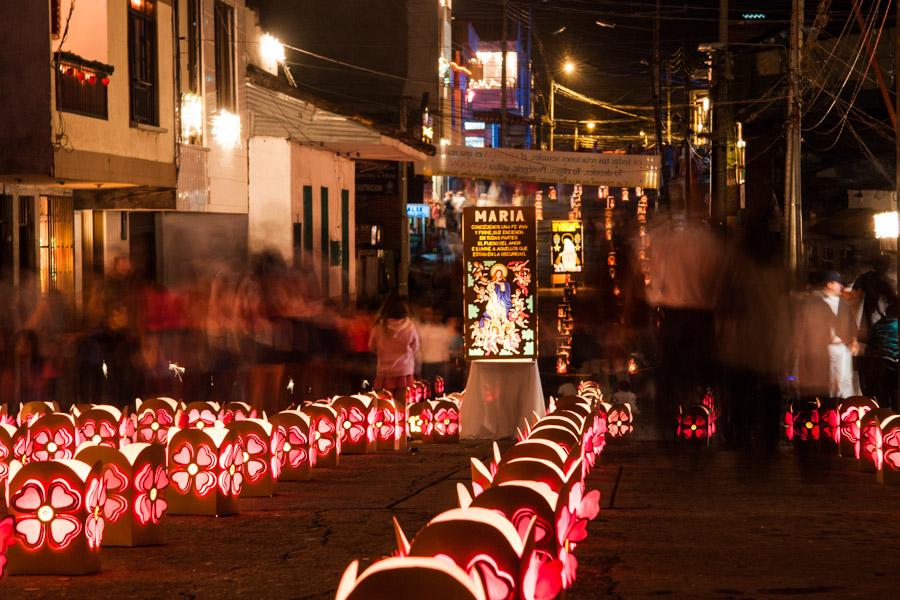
(261,466)
(851,412)
(7,432)
(7,537)
(297,456)
(439,386)
(386,427)
(419,420)
(30,411)
(357,427)
(58,511)
(198,415)
(52,437)
(871,452)
(5,417)
(694,424)
(236,411)
(571,422)
(890,446)
(565,437)
(136,483)
(539,470)
(830,421)
(407,577)
(99,426)
(620,421)
(444,422)
(325,424)
(540,449)
(22,444)
(154,419)
(205,471)
(483,544)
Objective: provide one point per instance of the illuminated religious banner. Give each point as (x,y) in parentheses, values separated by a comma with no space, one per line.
(567,247)
(614,170)
(500,253)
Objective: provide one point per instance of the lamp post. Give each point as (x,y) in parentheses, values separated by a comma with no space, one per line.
(568,68)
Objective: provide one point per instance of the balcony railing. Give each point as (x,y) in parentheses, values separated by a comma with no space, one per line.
(81,90)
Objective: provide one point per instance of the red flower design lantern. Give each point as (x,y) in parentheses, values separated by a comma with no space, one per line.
(5,417)
(325,424)
(406,577)
(206,471)
(7,432)
(198,415)
(439,386)
(297,455)
(388,430)
(7,536)
(236,411)
(890,446)
(136,483)
(694,424)
(358,423)
(830,421)
(52,437)
(620,421)
(851,412)
(58,512)
(99,426)
(419,420)
(261,467)
(31,411)
(871,452)
(444,422)
(154,419)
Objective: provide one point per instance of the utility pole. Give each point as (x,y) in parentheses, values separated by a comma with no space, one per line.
(793,225)
(503,91)
(656,74)
(718,202)
(552,111)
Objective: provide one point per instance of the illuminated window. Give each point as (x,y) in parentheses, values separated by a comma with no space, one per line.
(492,70)
(55,245)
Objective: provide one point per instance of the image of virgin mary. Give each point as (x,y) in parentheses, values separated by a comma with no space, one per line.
(499,296)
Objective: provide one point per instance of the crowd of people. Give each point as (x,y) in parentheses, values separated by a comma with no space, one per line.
(262,333)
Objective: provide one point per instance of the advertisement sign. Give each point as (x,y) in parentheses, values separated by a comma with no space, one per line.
(500,256)
(567,247)
(421,211)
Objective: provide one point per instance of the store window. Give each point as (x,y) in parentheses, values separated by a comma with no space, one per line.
(142,49)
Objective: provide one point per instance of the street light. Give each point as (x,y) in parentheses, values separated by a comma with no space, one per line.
(886,225)
(568,67)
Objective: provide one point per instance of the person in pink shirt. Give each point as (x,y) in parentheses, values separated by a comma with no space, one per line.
(395,341)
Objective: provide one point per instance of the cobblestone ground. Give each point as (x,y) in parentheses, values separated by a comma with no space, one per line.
(683,523)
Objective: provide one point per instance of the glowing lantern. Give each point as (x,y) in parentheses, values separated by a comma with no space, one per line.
(851,412)
(7,537)
(482,543)
(830,421)
(7,432)
(236,411)
(445,422)
(325,424)
(386,427)
(99,426)
(30,411)
(540,449)
(620,421)
(198,415)
(890,451)
(261,466)
(58,512)
(564,436)
(154,419)
(136,483)
(539,470)
(5,417)
(297,455)
(871,451)
(439,386)
(694,424)
(206,471)
(406,578)
(52,437)
(418,420)
(358,423)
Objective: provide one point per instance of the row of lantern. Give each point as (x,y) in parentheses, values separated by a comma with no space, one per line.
(565,326)
(100,474)
(856,427)
(515,531)
(698,422)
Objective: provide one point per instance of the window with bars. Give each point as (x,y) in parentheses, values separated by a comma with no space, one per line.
(225,59)
(142,50)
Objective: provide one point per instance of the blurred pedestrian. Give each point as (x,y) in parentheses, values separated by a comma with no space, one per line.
(882,350)
(877,293)
(395,342)
(435,341)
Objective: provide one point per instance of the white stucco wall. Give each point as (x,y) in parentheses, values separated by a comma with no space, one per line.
(269,215)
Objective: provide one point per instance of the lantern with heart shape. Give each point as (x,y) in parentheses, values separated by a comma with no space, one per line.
(198,415)
(136,482)
(444,422)
(236,411)
(7,432)
(694,424)
(807,422)
(620,421)
(5,417)
(154,419)
(386,425)
(31,411)
(870,444)
(325,424)
(830,421)
(536,469)
(52,437)
(206,471)
(58,510)
(358,423)
(482,543)
(261,465)
(419,420)
(541,449)
(851,412)
(296,453)
(100,426)
(408,577)
(890,451)
(7,537)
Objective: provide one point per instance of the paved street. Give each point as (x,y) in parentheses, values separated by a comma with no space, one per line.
(684,523)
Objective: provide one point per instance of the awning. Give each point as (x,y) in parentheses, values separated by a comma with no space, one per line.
(385,148)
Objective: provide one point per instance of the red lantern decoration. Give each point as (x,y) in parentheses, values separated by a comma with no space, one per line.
(418,420)
(830,421)
(52,438)
(31,411)
(444,422)
(620,421)
(296,451)
(357,427)
(406,578)
(852,410)
(388,430)
(136,483)
(198,415)
(694,424)
(206,471)
(99,426)
(261,467)
(7,432)
(154,418)
(890,446)
(105,80)
(871,452)
(325,425)
(80,75)
(5,417)
(58,512)
(7,537)
(236,411)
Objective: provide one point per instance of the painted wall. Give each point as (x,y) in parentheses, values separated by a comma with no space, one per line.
(269,216)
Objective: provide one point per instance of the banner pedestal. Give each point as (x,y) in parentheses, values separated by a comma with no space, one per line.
(500,396)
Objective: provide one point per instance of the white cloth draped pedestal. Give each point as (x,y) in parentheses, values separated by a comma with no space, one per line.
(499,396)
